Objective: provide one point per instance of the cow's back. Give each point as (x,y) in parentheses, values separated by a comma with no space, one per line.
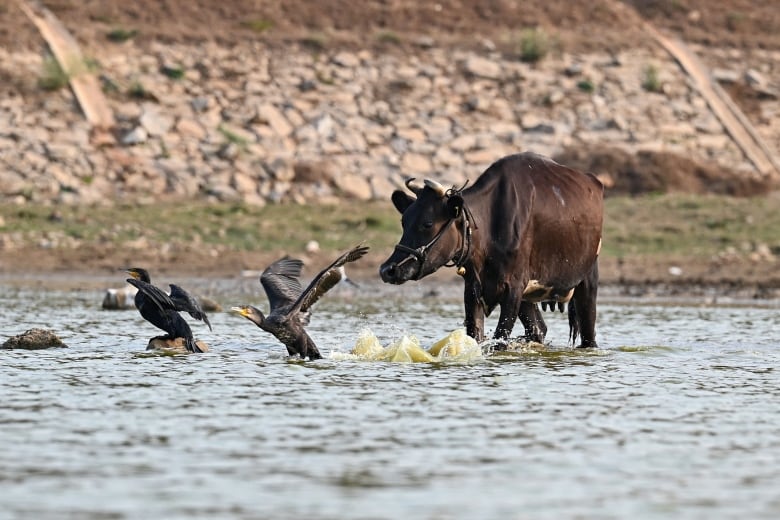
(549,214)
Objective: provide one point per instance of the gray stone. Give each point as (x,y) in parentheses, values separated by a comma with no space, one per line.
(200,104)
(415,164)
(244,184)
(135,136)
(463,142)
(190,128)
(280,168)
(482,68)
(34,339)
(346,59)
(273,117)
(725,75)
(755,79)
(324,125)
(154,121)
(122,298)
(355,186)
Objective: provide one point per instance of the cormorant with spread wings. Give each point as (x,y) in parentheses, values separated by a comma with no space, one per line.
(290,304)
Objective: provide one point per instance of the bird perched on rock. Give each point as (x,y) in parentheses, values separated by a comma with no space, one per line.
(291,305)
(162,310)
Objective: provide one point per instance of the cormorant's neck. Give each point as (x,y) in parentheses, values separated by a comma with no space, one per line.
(258,318)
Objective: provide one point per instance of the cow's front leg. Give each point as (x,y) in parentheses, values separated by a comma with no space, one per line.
(475,313)
(506,320)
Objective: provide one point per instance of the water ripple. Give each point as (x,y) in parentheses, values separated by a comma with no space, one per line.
(671,416)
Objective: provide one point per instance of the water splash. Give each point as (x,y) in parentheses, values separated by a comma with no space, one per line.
(455,347)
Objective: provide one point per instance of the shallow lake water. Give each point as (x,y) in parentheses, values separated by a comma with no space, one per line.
(677,414)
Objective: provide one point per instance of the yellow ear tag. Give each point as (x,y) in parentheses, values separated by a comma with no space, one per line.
(461,271)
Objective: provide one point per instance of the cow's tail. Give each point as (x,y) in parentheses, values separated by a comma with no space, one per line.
(574,323)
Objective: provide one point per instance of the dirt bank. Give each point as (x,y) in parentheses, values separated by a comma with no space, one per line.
(577,25)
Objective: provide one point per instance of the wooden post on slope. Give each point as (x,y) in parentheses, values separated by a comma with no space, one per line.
(84,84)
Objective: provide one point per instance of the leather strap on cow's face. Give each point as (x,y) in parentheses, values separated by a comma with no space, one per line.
(420,253)
(462,214)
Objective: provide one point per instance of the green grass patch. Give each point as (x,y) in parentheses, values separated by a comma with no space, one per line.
(655,226)
(173,72)
(232,137)
(586,86)
(735,20)
(533,45)
(121,35)
(240,227)
(136,90)
(315,42)
(52,76)
(388,37)
(259,25)
(651,81)
(687,225)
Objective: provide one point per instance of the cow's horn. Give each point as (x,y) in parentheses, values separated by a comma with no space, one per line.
(414,187)
(437,188)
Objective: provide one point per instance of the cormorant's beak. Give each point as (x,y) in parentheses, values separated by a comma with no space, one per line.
(243,311)
(133,273)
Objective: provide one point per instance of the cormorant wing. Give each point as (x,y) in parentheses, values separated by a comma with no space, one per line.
(154,294)
(280,281)
(185,302)
(326,279)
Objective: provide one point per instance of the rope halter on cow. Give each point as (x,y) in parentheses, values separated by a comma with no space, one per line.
(462,214)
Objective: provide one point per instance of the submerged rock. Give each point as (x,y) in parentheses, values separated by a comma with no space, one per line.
(120,298)
(34,339)
(176,345)
(207,304)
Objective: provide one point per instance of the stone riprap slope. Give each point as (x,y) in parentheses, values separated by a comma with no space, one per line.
(260,124)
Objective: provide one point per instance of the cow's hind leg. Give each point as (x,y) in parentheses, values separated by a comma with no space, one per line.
(531,318)
(582,318)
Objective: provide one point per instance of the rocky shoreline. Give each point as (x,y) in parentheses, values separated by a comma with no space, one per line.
(260,124)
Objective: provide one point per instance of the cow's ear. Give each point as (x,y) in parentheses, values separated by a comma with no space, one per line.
(401,200)
(454,205)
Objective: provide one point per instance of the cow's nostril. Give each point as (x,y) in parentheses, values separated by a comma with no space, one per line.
(388,271)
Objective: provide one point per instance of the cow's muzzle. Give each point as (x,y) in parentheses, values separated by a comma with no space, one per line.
(389,273)
(400,271)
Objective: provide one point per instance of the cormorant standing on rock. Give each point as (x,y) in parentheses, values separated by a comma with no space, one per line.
(162,310)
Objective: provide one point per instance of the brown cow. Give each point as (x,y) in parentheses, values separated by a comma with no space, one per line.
(527,231)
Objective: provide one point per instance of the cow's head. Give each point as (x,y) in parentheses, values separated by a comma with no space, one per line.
(430,239)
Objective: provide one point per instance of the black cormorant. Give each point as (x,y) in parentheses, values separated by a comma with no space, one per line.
(162,310)
(290,304)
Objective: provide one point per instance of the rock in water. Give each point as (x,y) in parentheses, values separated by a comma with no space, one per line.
(120,298)
(34,339)
(207,304)
(166,344)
